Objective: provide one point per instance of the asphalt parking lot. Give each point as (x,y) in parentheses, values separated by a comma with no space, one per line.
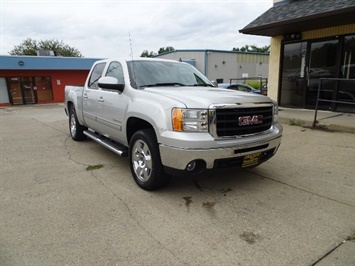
(292,210)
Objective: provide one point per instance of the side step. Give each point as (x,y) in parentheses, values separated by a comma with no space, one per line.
(116,148)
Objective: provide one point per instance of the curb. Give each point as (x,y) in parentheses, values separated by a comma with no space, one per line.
(321,126)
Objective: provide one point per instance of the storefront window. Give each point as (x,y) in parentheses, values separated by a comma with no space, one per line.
(348,67)
(346,92)
(316,64)
(4,96)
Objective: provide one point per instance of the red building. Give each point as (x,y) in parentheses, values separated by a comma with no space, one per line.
(40,79)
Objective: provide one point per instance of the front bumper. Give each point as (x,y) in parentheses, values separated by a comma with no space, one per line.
(223,157)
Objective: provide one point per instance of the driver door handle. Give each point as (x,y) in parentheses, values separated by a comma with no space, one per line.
(101,99)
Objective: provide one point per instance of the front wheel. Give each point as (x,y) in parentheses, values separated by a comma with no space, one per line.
(76,130)
(145,162)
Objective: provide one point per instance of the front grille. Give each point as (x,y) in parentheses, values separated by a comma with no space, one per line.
(227,121)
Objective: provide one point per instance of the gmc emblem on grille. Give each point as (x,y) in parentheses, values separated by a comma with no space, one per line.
(250,120)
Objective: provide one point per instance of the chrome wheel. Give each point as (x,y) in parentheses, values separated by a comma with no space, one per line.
(76,130)
(72,124)
(142,160)
(145,163)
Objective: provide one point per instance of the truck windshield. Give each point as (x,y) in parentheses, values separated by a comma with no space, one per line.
(159,73)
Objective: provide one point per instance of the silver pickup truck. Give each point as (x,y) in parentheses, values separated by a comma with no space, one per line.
(169,119)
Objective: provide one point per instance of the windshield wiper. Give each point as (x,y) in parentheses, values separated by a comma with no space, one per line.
(163,84)
(203,85)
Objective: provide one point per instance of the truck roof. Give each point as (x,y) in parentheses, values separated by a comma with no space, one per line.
(128,59)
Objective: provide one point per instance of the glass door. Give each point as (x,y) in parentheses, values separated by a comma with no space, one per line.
(22,90)
(293,74)
(27,89)
(15,90)
(322,63)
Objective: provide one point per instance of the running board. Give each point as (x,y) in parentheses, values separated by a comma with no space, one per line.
(116,148)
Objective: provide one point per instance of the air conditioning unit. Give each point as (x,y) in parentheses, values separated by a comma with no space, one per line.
(46,53)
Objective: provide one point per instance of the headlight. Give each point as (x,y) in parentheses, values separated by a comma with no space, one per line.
(276,111)
(192,120)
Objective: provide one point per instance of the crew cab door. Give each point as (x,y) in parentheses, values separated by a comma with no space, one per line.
(91,98)
(113,106)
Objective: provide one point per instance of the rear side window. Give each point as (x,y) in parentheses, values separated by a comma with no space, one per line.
(115,70)
(95,75)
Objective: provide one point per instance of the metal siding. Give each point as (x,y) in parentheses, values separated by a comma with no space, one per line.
(218,69)
(252,58)
(327,32)
(198,56)
(235,63)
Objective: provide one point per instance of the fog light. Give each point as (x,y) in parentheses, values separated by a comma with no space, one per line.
(191,166)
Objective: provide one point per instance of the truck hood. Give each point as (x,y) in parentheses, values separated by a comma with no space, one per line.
(203,97)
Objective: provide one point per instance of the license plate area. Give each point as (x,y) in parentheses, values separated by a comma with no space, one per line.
(251,159)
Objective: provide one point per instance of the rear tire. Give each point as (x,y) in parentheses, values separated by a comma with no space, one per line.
(145,162)
(76,130)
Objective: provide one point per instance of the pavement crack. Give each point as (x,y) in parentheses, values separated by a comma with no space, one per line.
(52,127)
(332,116)
(338,146)
(137,222)
(69,154)
(301,189)
(328,253)
(65,141)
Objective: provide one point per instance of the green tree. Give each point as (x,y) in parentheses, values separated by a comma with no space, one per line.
(30,47)
(253,48)
(162,50)
(147,54)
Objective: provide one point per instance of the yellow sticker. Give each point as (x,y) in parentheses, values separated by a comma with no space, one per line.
(251,159)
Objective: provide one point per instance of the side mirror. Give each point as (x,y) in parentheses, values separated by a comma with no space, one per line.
(110,83)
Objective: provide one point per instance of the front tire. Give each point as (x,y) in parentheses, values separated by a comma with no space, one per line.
(76,130)
(145,162)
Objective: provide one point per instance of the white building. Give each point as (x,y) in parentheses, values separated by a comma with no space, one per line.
(222,66)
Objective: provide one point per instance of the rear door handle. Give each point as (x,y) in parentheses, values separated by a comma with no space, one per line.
(101,100)
(85,96)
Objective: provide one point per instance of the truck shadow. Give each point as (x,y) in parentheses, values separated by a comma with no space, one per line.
(222,181)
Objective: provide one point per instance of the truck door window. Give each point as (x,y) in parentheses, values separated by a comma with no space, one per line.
(95,75)
(115,70)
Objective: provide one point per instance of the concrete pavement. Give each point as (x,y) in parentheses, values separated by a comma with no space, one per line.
(333,121)
(296,209)
(343,122)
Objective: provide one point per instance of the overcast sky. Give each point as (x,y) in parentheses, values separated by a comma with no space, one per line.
(101,29)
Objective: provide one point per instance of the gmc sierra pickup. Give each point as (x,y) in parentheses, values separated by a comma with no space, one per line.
(169,119)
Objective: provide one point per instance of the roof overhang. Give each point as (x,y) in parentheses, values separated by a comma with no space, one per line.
(312,22)
(15,62)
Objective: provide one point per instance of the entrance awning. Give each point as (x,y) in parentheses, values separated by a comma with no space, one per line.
(302,15)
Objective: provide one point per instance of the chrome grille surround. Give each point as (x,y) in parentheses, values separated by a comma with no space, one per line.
(222,118)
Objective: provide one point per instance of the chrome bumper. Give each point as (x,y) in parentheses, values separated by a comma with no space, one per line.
(178,158)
